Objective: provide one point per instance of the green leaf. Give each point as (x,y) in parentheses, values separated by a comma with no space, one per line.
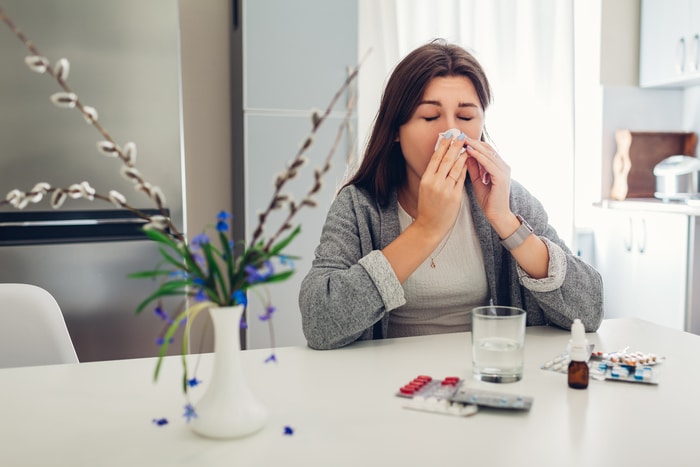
(166,289)
(215,278)
(147,274)
(161,237)
(228,258)
(179,264)
(282,244)
(279,277)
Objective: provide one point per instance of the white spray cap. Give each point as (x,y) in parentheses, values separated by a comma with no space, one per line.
(578,342)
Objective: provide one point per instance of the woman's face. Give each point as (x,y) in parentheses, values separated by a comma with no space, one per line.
(448,102)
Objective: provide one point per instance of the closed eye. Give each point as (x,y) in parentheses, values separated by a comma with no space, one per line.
(430,119)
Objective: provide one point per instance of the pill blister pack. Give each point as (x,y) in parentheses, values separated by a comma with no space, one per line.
(633,367)
(447,396)
(491,399)
(625,357)
(621,372)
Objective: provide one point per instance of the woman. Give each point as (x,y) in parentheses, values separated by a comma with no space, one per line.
(424,232)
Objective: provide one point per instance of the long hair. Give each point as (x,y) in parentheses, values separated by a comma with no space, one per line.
(383,167)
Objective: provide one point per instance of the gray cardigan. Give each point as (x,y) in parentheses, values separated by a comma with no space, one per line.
(351,287)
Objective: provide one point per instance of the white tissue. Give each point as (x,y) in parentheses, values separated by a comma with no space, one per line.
(453,132)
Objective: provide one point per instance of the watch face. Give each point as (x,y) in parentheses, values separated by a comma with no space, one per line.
(524,222)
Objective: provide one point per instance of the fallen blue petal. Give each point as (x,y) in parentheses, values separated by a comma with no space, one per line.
(271,358)
(192,382)
(288,430)
(160,421)
(190,413)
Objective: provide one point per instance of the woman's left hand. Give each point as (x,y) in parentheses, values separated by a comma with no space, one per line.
(490,176)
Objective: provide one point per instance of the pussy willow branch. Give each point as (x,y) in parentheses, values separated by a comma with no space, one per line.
(93,121)
(297,160)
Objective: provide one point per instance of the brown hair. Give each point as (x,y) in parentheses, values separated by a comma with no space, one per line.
(383,166)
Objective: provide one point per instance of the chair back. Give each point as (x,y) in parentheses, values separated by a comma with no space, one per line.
(32,328)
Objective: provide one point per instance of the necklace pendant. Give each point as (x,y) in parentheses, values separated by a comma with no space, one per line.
(432,263)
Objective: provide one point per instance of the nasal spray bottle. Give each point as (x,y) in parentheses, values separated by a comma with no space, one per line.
(578,368)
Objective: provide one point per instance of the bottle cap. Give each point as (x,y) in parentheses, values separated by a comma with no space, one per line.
(578,342)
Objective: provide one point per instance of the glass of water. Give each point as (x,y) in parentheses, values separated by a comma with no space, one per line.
(498,343)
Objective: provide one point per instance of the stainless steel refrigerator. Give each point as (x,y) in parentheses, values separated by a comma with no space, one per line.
(124,58)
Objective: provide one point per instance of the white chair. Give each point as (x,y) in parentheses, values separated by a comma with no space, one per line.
(32,328)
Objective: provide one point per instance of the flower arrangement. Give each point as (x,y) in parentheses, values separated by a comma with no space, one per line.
(204,271)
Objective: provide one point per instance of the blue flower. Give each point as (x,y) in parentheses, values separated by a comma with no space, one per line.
(243,324)
(222,224)
(161,340)
(160,421)
(255,275)
(199,281)
(286,261)
(199,240)
(223,216)
(190,413)
(269,309)
(177,275)
(240,298)
(288,430)
(200,296)
(199,259)
(161,313)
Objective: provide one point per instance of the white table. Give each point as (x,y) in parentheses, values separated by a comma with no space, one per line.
(343,409)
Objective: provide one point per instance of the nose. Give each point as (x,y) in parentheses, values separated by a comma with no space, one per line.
(452,122)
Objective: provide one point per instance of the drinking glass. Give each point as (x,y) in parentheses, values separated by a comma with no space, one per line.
(498,343)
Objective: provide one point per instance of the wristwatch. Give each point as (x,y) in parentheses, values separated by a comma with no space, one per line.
(519,236)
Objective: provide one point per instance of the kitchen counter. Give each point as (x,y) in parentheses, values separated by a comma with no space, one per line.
(691,208)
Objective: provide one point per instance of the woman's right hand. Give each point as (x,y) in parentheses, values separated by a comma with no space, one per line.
(441,186)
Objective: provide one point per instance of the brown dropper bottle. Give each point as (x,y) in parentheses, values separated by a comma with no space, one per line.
(578,367)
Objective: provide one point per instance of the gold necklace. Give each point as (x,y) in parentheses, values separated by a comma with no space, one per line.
(442,244)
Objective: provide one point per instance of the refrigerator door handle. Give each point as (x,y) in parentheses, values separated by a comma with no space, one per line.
(55,227)
(70,222)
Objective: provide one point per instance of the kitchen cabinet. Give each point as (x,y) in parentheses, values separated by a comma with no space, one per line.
(647,261)
(669,43)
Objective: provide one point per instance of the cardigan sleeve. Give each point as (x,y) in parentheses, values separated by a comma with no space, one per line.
(350,285)
(573,288)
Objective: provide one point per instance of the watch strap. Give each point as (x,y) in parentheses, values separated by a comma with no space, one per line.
(518,237)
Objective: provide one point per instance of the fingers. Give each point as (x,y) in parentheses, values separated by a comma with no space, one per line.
(453,161)
(488,160)
(441,149)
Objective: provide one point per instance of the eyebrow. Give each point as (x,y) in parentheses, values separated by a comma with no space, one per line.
(439,104)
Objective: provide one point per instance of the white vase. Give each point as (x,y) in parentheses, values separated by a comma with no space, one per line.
(228,408)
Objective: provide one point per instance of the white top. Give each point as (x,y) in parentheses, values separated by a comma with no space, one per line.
(344,412)
(440,299)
